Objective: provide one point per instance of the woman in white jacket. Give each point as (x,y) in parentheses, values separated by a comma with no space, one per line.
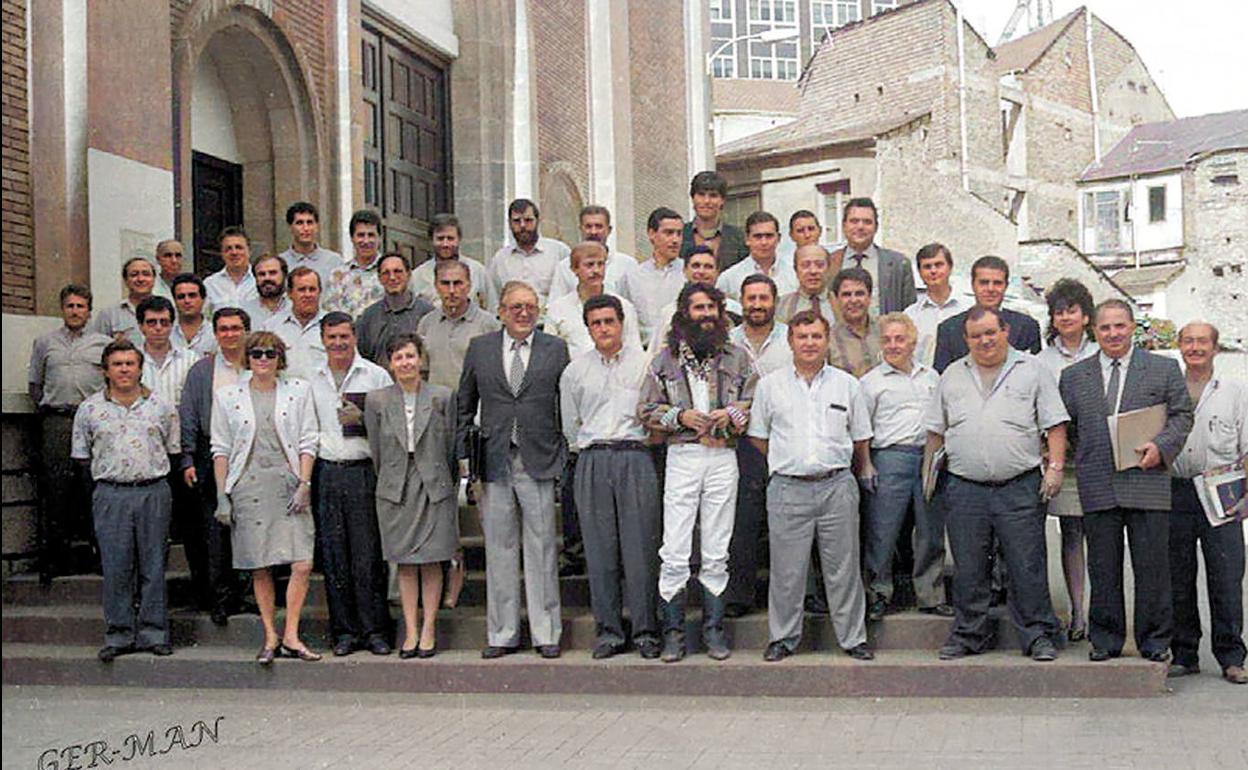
(264,439)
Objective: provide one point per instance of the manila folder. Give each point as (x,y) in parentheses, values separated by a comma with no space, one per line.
(1127,430)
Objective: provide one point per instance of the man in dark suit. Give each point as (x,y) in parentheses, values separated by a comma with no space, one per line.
(890,270)
(513,374)
(1120,379)
(989,277)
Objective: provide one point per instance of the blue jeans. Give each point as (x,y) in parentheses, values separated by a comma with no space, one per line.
(900,485)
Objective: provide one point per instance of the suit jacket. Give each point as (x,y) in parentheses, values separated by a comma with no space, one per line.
(732,248)
(1150,379)
(535,410)
(234,426)
(195,415)
(434,428)
(894,279)
(951,339)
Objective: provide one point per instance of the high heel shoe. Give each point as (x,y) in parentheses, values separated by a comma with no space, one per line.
(409,654)
(302,653)
(266,655)
(422,653)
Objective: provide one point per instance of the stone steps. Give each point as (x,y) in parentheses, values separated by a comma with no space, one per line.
(462,628)
(894,673)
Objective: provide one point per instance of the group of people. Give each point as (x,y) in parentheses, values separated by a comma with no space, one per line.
(770,406)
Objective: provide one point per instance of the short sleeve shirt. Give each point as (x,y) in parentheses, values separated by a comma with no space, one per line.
(126,443)
(995,436)
(67,366)
(810,428)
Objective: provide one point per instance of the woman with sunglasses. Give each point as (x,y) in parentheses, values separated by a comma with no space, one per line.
(411,431)
(264,438)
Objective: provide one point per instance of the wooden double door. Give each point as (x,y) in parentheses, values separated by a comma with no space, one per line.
(407,175)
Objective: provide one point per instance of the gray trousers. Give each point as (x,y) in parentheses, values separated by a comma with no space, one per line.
(132,527)
(617,498)
(825,512)
(504,531)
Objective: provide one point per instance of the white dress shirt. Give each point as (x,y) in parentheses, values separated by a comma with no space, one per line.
(304,350)
(1107,365)
(652,288)
(526,352)
(536,268)
(261,316)
(773,354)
(224,292)
(598,397)
(927,315)
(897,402)
(564,319)
(810,428)
(167,378)
(781,272)
(362,376)
(1219,431)
(565,281)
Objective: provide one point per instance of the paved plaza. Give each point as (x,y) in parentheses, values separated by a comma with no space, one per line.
(1199,725)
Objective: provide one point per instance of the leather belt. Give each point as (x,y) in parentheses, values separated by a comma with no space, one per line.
(344,463)
(142,483)
(621,446)
(813,476)
(995,484)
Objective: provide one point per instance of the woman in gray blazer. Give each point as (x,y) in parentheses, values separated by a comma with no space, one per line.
(411,430)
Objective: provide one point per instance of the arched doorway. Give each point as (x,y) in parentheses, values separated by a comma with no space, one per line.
(247,134)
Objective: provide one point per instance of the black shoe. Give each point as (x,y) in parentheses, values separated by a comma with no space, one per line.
(1097,655)
(425,654)
(649,648)
(713,635)
(1156,656)
(876,610)
(494,652)
(1043,650)
(954,651)
(673,614)
(160,650)
(942,610)
(1178,669)
(344,647)
(776,651)
(815,605)
(378,646)
(736,610)
(604,650)
(407,654)
(110,653)
(673,646)
(549,651)
(860,652)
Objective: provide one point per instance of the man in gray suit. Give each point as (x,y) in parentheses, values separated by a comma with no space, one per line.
(514,375)
(1120,379)
(890,270)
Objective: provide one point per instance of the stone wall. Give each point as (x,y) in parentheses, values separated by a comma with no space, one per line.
(1041,263)
(18,210)
(1216,224)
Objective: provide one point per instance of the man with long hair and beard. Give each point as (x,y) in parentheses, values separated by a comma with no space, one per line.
(697,392)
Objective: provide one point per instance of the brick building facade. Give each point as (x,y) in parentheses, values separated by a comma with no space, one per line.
(172,118)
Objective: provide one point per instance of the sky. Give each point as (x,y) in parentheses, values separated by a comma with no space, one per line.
(1197,54)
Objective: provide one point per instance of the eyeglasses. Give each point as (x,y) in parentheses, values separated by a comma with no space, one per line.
(522,309)
(157,322)
(255,354)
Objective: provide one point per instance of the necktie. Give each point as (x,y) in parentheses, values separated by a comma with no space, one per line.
(515,378)
(515,374)
(814,305)
(1111,392)
(858,259)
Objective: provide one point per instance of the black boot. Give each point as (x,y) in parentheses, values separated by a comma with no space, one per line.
(713,626)
(674,628)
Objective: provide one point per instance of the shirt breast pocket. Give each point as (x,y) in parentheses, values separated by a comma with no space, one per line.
(1020,407)
(836,420)
(1223,438)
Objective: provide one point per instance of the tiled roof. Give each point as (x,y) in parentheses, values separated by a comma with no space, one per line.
(1022,52)
(1154,147)
(1144,280)
(774,96)
(799,136)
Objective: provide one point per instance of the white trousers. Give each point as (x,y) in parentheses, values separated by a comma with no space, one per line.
(700,489)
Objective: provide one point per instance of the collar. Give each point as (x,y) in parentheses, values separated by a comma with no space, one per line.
(1105,361)
(778,331)
(675,264)
(219,359)
(298,256)
(144,394)
(613,360)
(289,317)
(464,316)
(871,252)
(537,248)
(357,363)
(1065,352)
(509,340)
(927,301)
(355,263)
(917,367)
(411,303)
(719,229)
(775,263)
(819,375)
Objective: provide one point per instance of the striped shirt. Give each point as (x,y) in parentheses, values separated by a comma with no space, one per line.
(166,378)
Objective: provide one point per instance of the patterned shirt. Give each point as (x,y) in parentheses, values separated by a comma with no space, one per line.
(352,288)
(66,365)
(126,444)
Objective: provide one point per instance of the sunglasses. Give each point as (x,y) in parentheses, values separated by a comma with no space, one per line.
(256,354)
